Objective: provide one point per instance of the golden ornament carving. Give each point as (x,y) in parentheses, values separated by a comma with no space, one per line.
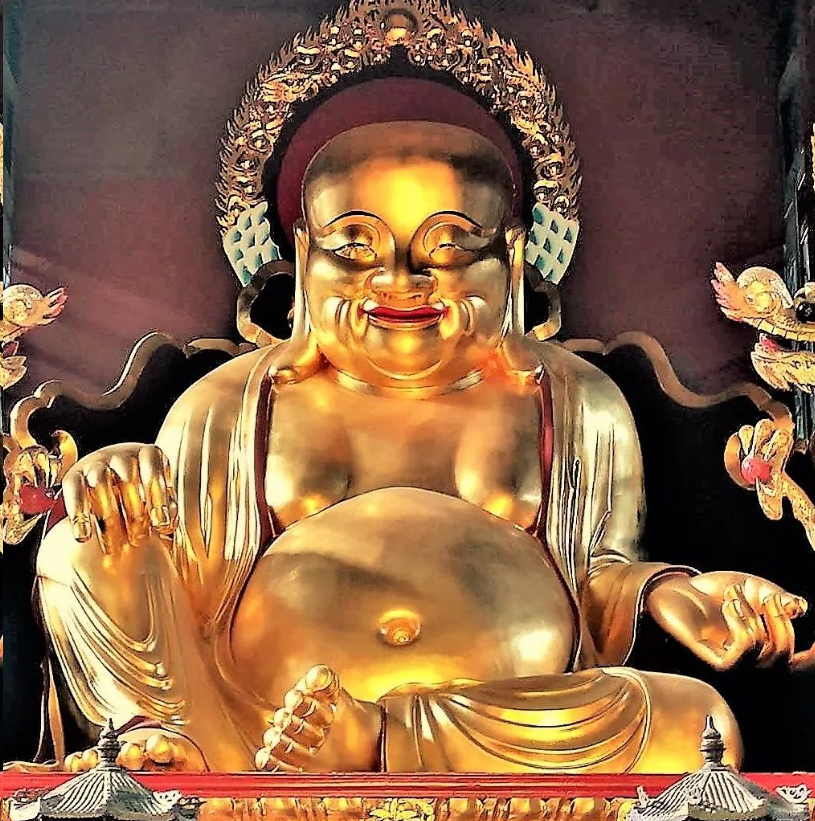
(670,383)
(24,308)
(404,809)
(434,36)
(760,298)
(415,809)
(33,475)
(756,459)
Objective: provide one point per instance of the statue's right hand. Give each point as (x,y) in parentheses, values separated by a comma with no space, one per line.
(121,493)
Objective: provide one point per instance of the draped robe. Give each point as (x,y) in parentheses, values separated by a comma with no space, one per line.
(595,717)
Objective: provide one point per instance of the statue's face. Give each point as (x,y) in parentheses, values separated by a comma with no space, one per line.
(407,272)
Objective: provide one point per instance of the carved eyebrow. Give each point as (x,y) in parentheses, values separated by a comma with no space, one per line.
(478,236)
(342,220)
(459,219)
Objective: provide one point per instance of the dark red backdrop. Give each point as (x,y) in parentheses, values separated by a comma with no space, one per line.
(122,104)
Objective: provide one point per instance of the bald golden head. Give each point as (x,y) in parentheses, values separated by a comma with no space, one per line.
(406,171)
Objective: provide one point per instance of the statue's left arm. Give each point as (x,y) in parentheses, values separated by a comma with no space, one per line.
(596,505)
(596,511)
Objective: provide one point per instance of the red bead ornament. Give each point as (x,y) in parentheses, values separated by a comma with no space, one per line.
(755,469)
(34,500)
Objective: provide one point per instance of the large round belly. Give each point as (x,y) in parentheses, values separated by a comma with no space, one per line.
(397,587)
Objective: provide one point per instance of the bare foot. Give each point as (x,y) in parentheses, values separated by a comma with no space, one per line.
(321,728)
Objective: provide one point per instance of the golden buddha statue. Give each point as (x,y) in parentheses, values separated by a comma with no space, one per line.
(405,539)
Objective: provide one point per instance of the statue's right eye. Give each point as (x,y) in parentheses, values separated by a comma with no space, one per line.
(356,251)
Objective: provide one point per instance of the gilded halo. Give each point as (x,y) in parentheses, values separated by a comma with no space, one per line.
(361,35)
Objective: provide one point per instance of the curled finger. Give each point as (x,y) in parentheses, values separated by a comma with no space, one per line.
(751,619)
(742,641)
(780,636)
(160,499)
(105,507)
(76,496)
(125,469)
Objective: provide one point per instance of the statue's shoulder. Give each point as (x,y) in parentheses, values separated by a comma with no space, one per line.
(575,381)
(218,394)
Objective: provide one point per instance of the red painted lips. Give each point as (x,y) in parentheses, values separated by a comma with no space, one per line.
(424,313)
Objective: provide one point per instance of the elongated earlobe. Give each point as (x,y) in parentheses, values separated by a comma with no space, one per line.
(300,323)
(516,241)
(299,356)
(518,358)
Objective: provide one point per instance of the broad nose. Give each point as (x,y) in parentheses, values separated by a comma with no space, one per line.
(401,284)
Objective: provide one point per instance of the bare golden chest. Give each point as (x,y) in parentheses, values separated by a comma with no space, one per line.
(329,443)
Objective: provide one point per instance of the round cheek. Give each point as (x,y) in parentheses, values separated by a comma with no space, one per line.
(326,283)
(487,281)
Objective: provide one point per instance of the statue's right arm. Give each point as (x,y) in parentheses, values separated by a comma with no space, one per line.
(202,443)
(128,595)
(178,488)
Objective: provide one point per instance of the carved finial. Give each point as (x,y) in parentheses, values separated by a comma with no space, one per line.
(108,746)
(712,746)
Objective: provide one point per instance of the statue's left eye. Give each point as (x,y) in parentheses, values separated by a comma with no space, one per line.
(450,254)
(357,251)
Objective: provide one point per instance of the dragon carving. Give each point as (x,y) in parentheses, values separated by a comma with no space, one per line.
(760,298)
(756,457)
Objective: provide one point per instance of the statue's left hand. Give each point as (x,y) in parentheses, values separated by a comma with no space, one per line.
(729,618)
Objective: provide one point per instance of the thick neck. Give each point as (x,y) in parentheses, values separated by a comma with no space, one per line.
(408,391)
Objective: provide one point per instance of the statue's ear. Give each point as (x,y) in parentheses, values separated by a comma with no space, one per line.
(301,242)
(515,235)
(265,305)
(533,301)
(544,315)
(300,357)
(300,324)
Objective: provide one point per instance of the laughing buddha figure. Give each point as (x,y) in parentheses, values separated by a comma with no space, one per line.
(405,539)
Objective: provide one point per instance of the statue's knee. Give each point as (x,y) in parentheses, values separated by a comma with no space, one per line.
(680,707)
(58,553)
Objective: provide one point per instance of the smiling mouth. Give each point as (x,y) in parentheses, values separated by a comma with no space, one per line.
(420,316)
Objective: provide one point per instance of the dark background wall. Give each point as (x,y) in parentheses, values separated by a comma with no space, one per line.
(122,102)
